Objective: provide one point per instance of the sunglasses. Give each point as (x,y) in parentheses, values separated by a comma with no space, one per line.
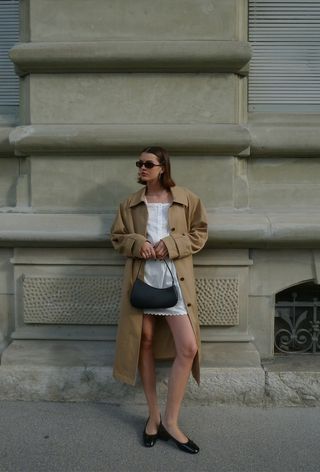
(147,164)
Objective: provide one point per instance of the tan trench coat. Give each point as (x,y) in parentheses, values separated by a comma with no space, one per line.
(188,234)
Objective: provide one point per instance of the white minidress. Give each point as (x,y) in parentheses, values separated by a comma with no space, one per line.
(156,272)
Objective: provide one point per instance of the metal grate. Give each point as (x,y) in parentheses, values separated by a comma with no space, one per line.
(297,320)
(9,35)
(285,66)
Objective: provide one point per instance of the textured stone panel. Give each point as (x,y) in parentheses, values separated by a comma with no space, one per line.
(218,301)
(71,300)
(95,300)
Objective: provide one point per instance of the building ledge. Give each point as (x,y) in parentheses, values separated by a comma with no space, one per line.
(89,139)
(131,56)
(227,228)
(6,148)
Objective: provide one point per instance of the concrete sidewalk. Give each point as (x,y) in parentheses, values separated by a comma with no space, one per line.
(92,437)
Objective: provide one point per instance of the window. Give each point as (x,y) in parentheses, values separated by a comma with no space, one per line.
(9,35)
(297,319)
(285,67)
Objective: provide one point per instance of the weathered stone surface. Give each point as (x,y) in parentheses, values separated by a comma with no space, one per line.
(9,171)
(61,384)
(292,140)
(275,270)
(245,386)
(80,20)
(228,385)
(153,97)
(293,380)
(293,388)
(82,371)
(90,183)
(261,323)
(235,386)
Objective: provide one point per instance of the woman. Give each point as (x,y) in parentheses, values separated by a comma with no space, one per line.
(160,221)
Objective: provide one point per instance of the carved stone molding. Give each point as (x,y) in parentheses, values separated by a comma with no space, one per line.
(231,229)
(131,56)
(221,139)
(6,148)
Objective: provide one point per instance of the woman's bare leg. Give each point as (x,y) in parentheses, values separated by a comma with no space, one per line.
(186,349)
(147,373)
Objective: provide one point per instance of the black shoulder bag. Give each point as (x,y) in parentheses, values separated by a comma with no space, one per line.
(146,296)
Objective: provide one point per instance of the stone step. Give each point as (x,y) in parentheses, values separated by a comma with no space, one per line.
(82,371)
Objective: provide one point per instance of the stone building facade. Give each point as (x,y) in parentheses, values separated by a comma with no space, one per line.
(99,80)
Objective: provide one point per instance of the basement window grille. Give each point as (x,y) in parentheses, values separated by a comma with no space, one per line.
(285,66)
(297,320)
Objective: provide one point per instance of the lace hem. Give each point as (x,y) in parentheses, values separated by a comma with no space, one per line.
(165,314)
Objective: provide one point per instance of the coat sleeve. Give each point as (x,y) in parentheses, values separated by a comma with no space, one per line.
(126,243)
(181,245)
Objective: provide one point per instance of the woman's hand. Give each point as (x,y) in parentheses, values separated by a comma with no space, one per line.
(161,250)
(147,251)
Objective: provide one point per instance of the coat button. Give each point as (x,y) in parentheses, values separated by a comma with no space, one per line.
(188,304)
(182,279)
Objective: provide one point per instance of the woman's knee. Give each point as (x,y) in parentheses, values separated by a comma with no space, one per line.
(188,350)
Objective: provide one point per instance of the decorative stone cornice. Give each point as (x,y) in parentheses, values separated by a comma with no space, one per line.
(6,148)
(132,56)
(227,229)
(216,139)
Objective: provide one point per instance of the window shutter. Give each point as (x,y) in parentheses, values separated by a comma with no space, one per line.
(285,67)
(9,35)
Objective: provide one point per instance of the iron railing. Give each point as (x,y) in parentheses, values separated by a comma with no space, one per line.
(297,326)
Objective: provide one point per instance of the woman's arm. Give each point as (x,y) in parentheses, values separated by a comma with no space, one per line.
(184,244)
(128,244)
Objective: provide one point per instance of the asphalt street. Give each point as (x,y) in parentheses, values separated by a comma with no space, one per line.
(92,437)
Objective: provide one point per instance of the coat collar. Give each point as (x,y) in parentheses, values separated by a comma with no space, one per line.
(178,195)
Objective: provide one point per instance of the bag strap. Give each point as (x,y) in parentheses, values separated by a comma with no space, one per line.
(160,260)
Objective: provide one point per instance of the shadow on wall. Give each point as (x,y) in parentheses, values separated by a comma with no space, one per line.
(107,197)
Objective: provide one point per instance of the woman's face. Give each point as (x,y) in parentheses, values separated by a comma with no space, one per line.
(147,174)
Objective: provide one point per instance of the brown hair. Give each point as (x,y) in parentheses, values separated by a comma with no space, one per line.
(164,159)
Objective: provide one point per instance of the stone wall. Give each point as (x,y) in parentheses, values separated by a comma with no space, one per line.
(99,81)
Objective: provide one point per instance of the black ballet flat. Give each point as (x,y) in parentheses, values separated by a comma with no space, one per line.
(188,446)
(149,440)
